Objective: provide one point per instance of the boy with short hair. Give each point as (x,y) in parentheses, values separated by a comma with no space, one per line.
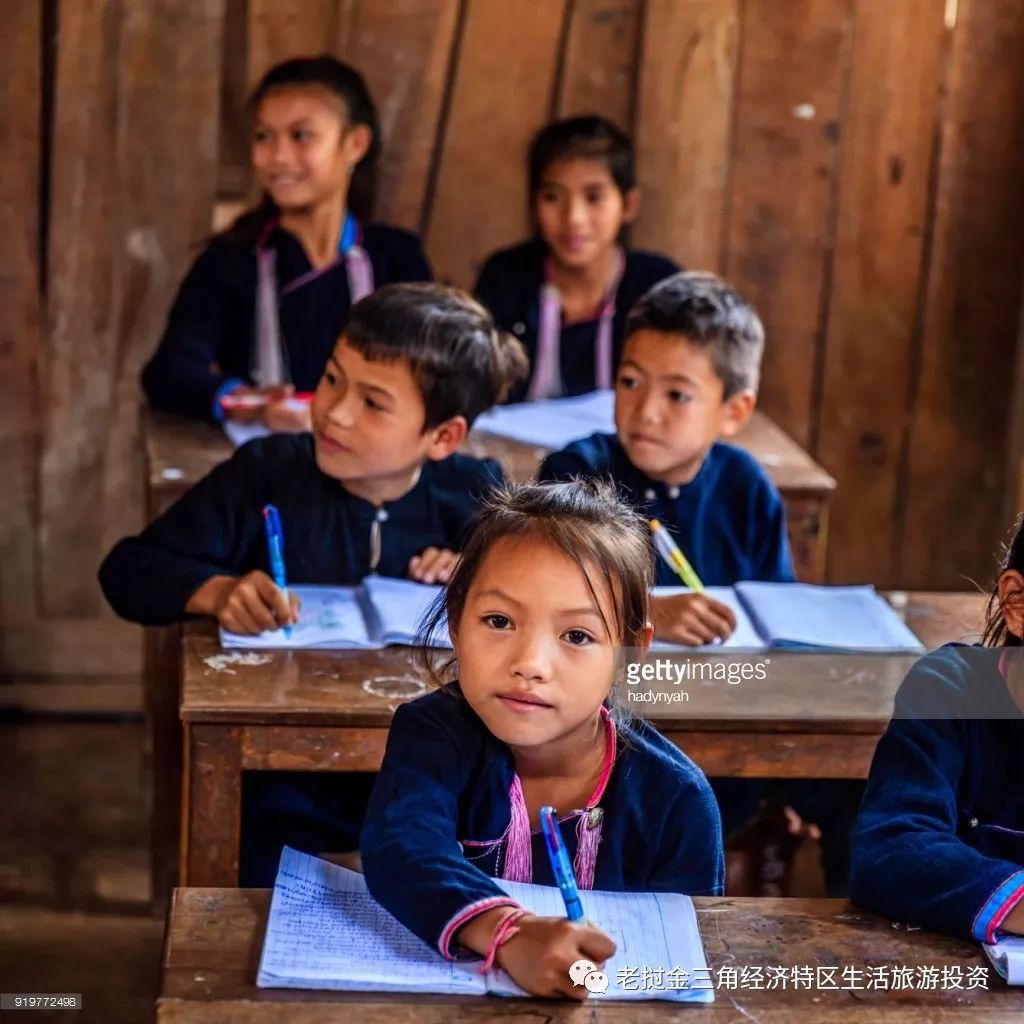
(377,487)
(689,376)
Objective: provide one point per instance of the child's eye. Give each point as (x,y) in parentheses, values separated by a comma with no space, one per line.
(578,637)
(497,621)
(260,135)
(374,405)
(547,196)
(302,135)
(330,378)
(679,397)
(627,381)
(596,196)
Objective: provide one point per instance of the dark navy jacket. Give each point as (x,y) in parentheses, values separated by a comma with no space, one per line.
(509,286)
(728,520)
(940,837)
(209,336)
(443,790)
(217,527)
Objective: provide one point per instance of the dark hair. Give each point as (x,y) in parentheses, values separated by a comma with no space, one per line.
(590,137)
(347,85)
(711,314)
(582,518)
(462,363)
(995,632)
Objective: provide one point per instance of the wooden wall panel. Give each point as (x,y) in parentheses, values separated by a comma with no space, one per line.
(177,44)
(233,177)
(684,111)
(883,205)
(404,50)
(783,180)
(20,169)
(279,29)
(502,95)
(82,301)
(955,475)
(599,66)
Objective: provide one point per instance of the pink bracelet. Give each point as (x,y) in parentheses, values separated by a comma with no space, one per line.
(505,930)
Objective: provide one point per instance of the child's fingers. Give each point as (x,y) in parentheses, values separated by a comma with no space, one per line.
(712,619)
(444,573)
(723,611)
(274,598)
(429,560)
(236,619)
(296,605)
(595,944)
(692,624)
(259,604)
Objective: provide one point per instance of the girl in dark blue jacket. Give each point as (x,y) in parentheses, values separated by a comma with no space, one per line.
(553,582)
(940,837)
(264,303)
(565,293)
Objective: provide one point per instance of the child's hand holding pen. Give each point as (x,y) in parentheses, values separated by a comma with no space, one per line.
(249,604)
(539,955)
(691,619)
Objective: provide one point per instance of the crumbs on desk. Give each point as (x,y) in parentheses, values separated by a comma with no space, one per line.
(220,662)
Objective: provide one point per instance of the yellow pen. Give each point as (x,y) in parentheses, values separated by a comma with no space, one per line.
(669,550)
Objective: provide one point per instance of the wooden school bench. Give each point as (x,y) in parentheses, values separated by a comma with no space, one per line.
(214,938)
(315,710)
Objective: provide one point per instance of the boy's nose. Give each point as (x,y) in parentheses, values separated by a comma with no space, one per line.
(341,412)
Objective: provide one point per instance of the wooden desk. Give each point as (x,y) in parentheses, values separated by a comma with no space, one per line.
(815,716)
(214,938)
(179,452)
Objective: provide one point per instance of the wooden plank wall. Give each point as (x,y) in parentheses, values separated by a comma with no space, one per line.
(853,165)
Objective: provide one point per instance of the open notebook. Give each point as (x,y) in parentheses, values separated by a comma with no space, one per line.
(800,616)
(553,423)
(326,931)
(1007,956)
(379,612)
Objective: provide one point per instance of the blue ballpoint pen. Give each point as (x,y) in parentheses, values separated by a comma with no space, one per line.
(275,548)
(561,867)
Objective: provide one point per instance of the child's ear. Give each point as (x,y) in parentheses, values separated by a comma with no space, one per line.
(1011,598)
(630,205)
(736,412)
(643,641)
(447,438)
(357,141)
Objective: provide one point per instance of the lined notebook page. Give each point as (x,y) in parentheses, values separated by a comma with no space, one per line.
(326,931)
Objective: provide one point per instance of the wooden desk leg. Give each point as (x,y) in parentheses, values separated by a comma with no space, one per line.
(212,809)
(162,684)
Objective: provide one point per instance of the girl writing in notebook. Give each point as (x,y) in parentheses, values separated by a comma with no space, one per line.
(566,292)
(553,583)
(263,305)
(940,837)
